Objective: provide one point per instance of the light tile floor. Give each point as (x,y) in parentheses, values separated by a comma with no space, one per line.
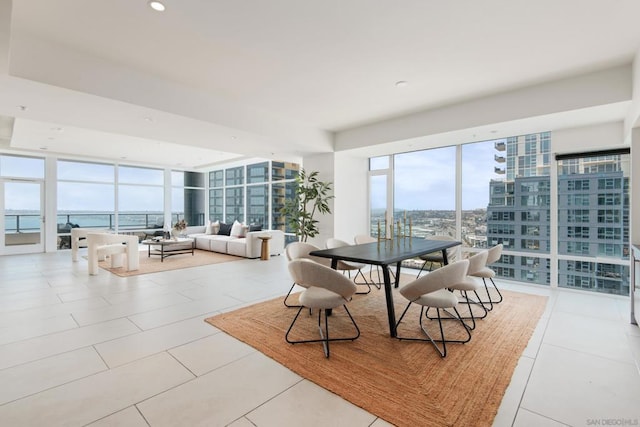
(101,350)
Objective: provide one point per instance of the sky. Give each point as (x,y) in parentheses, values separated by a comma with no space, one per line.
(425,180)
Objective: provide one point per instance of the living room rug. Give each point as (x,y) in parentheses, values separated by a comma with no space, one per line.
(405,383)
(174,262)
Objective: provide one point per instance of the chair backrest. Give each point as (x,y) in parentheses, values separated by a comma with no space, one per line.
(311,274)
(452,253)
(364,238)
(298,250)
(332,243)
(494,254)
(477,262)
(437,279)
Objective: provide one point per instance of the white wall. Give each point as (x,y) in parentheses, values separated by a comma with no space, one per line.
(351,205)
(588,138)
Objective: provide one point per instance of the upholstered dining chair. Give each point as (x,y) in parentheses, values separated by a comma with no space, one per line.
(300,250)
(348,266)
(326,289)
(436,257)
(365,238)
(467,285)
(431,291)
(493,255)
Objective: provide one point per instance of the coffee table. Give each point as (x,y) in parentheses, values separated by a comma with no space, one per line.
(169,247)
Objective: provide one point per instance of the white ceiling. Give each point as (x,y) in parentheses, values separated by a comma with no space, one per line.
(278,78)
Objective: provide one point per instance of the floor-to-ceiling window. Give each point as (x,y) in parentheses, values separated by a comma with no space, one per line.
(86,197)
(424,191)
(380,201)
(253,194)
(187,197)
(234,194)
(593,222)
(140,198)
(258,194)
(506,197)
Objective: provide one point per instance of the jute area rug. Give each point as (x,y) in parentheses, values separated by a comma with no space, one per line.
(174,262)
(405,383)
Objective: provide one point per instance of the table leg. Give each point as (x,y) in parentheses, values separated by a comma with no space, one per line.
(388,292)
(397,274)
(149,251)
(161,253)
(445,260)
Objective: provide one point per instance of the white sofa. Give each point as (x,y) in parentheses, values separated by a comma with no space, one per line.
(248,246)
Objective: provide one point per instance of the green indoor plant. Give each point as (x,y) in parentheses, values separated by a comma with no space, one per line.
(311,197)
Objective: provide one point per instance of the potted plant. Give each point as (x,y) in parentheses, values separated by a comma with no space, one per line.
(311,197)
(178,228)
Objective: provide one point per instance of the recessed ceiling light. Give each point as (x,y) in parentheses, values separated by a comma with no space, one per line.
(401,83)
(157,6)
(148,119)
(43,148)
(22,107)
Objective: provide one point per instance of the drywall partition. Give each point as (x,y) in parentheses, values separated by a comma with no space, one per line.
(602,88)
(351,204)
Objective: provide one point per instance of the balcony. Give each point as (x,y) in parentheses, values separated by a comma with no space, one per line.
(500,146)
(499,171)
(499,159)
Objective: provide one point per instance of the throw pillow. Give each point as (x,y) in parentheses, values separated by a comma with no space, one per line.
(207,229)
(215,227)
(245,229)
(257,227)
(236,229)
(225,229)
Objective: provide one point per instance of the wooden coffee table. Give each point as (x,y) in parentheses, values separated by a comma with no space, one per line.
(169,247)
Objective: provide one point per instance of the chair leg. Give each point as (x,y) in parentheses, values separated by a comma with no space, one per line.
(497,290)
(442,351)
(366,282)
(471,315)
(287,296)
(324,335)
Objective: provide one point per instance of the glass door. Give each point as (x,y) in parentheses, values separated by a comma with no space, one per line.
(23,218)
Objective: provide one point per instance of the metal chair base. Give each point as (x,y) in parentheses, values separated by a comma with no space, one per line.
(324,335)
(443,349)
(490,301)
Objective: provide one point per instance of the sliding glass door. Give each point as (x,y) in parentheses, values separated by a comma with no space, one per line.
(22,203)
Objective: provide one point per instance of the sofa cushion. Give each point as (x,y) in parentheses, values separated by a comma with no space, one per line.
(237,247)
(255,227)
(219,243)
(225,229)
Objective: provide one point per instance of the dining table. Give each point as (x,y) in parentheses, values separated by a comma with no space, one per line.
(385,253)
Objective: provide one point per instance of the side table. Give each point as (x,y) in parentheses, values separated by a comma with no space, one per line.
(264,250)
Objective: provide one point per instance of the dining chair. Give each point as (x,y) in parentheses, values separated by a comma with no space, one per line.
(437,257)
(348,266)
(301,250)
(467,285)
(493,255)
(431,291)
(360,239)
(326,289)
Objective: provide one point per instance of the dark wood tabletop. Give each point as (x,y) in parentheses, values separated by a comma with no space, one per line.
(385,253)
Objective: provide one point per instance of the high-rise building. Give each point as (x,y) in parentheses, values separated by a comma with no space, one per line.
(593,216)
